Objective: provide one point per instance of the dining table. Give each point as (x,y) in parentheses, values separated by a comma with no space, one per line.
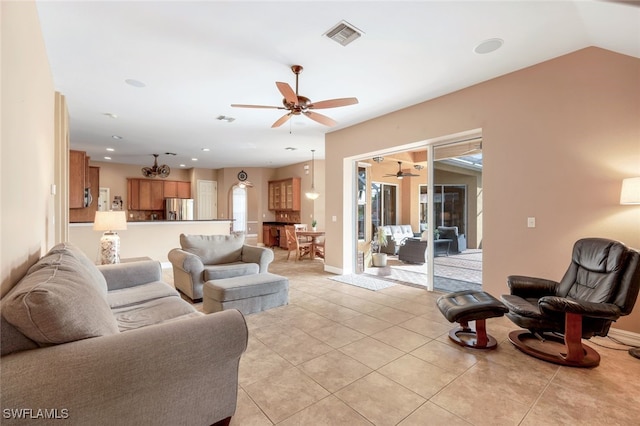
(314,240)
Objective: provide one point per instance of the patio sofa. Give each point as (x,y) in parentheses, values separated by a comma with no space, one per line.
(458,241)
(113,344)
(202,258)
(395,237)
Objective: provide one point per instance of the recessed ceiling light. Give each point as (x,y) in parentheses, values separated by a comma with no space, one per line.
(116,137)
(206,149)
(194,159)
(290,148)
(183,165)
(107,158)
(134,83)
(488,46)
(110,115)
(110,149)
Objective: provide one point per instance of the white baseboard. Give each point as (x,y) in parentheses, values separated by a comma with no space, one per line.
(626,337)
(333,269)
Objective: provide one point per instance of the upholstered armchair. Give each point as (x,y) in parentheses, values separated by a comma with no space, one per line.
(600,286)
(458,241)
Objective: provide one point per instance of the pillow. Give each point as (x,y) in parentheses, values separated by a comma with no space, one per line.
(72,256)
(58,303)
(214,249)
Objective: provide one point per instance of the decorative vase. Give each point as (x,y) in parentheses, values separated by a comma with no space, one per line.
(314,229)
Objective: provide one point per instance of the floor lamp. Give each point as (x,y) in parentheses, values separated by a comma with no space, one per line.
(109,222)
(630,195)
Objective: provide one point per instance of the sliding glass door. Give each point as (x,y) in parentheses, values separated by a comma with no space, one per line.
(449,205)
(384,201)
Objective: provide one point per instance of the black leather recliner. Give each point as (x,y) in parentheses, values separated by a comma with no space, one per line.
(600,285)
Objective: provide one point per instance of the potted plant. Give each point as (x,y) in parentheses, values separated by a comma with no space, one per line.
(379,241)
(314,224)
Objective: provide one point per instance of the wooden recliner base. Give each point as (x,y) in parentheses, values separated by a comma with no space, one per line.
(567,351)
(478,339)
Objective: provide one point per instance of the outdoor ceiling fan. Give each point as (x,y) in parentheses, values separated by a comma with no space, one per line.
(400,173)
(296,104)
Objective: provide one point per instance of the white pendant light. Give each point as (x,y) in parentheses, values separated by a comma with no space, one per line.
(312,194)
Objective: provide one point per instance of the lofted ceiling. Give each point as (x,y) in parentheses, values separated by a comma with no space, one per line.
(195,59)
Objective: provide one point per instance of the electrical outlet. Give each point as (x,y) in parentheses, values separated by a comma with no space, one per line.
(531,222)
(334,218)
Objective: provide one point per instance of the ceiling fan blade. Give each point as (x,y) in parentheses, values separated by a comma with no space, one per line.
(256,106)
(287,92)
(322,119)
(334,103)
(282,120)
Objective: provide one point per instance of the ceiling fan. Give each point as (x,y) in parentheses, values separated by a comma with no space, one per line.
(400,173)
(296,104)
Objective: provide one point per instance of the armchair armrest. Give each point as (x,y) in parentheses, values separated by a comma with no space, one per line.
(556,304)
(137,376)
(531,287)
(260,255)
(123,275)
(187,262)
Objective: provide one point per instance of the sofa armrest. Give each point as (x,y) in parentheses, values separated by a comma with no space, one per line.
(182,372)
(123,275)
(260,255)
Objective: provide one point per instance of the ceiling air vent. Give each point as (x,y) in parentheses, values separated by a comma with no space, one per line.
(343,33)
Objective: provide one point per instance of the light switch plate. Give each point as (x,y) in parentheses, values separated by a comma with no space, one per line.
(531,222)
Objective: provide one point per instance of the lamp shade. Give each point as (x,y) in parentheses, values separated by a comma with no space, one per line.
(110,221)
(630,193)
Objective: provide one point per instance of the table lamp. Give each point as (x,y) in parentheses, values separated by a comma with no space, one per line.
(110,221)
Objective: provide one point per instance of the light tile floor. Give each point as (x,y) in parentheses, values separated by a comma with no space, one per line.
(343,355)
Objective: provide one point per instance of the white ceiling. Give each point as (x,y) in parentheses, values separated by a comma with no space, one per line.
(197,58)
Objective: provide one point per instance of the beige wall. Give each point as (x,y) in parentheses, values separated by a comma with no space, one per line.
(558,138)
(27,154)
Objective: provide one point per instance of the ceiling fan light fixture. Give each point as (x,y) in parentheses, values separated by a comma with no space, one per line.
(161,171)
(343,33)
(378,159)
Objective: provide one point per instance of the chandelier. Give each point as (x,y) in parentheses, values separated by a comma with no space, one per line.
(151,172)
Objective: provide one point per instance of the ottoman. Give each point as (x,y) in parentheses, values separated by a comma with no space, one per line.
(246,293)
(471,305)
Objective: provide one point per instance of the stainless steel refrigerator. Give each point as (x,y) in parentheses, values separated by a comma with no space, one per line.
(178,209)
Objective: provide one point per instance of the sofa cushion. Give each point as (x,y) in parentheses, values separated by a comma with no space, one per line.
(214,249)
(152,312)
(230,270)
(63,251)
(58,301)
(139,294)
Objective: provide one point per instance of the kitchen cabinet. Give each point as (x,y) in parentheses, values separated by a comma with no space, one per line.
(145,194)
(87,214)
(78,178)
(284,195)
(177,189)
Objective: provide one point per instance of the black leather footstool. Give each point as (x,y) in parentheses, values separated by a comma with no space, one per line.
(471,305)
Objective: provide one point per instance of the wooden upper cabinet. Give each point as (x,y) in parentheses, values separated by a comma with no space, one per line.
(88,214)
(284,195)
(177,189)
(151,195)
(78,176)
(133,194)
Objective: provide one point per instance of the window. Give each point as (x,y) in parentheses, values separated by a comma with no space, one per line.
(239,207)
(383,205)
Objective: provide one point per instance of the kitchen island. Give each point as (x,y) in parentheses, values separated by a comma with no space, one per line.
(152,239)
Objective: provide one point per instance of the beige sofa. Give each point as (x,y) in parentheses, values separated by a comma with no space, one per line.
(202,258)
(113,345)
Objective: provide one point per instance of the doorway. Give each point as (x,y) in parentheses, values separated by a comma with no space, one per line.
(452,167)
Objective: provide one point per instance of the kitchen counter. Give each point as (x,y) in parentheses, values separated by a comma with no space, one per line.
(153,238)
